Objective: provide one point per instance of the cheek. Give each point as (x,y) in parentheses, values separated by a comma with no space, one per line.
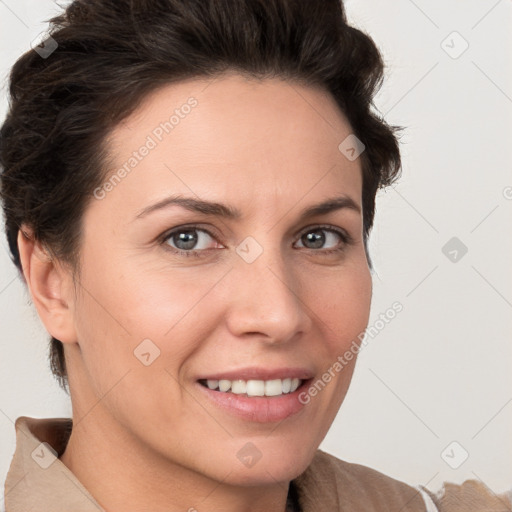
(121,306)
(343,306)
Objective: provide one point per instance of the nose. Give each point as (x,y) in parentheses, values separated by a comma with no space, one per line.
(265,300)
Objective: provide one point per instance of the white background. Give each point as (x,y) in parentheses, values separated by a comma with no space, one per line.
(440,371)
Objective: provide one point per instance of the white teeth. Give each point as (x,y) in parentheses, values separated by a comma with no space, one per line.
(212,384)
(224,385)
(295,385)
(239,387)
(274,387)
(255,388)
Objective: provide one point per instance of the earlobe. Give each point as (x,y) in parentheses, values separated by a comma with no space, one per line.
(49,284)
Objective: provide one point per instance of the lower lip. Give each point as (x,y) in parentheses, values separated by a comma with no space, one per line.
(260,409)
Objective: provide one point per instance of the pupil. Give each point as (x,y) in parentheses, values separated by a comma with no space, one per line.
(316,237)
(186,237)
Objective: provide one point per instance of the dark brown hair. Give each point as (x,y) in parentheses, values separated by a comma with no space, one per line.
(111,53)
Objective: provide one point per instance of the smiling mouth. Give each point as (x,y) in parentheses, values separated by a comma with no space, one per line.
(254,388)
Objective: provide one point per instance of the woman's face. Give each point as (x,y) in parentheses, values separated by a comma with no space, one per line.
(170,297)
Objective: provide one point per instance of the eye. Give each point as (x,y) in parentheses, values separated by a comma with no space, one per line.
(195,241)
(189,241)
(316,238)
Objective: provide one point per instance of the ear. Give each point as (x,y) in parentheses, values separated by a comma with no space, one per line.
(50,285)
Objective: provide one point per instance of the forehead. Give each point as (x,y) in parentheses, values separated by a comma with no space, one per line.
(255,138)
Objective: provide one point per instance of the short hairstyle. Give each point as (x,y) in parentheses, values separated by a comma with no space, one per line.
(112,53)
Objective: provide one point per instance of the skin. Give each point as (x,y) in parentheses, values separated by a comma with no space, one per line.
(144,437)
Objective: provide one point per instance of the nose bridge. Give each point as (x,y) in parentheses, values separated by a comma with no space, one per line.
(266,295)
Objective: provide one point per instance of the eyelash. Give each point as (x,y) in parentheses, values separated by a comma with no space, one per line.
(200,253)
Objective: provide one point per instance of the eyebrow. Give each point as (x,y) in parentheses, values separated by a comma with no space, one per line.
(229,212)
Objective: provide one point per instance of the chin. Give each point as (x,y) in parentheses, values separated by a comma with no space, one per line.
(270,463)
(265,474)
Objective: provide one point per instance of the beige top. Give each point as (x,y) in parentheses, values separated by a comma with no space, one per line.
(38,480)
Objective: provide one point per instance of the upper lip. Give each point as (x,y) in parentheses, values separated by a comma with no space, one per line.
(254,373)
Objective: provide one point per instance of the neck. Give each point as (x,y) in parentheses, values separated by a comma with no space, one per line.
(123,474)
